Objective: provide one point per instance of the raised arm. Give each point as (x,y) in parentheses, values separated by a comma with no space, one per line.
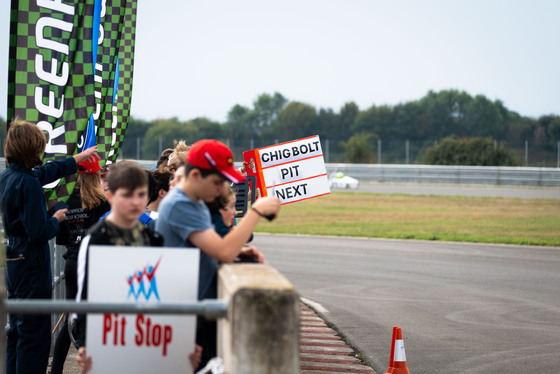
(227,248)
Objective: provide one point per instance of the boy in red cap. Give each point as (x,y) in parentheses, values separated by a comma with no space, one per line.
(184,220)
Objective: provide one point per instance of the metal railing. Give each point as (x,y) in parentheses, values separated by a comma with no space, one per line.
(435,174)
(440,174)
(462,175)
(210,309)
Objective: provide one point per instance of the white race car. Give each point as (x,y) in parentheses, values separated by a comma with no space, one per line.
(344,182)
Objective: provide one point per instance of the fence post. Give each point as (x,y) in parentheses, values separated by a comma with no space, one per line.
(407,151)
(379,151)
(58,283)
(526,153)
(261,333)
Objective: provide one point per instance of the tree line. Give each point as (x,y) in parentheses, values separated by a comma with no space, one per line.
(438,124)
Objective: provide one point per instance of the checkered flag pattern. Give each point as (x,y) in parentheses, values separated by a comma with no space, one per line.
(52,81)
(58,102)
(119,25)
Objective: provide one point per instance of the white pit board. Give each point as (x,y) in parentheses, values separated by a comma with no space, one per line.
(130,343)
(295,170)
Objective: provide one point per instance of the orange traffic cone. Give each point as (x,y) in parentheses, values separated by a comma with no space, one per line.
(399,360)
(392,350)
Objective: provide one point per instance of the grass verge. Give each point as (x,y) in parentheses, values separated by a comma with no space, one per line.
(448,218)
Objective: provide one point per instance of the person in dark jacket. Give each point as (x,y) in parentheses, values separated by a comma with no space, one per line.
(28,230)
(86,205)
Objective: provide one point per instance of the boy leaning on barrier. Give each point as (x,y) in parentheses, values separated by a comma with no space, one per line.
(128,196)
(28,229)
(184,220)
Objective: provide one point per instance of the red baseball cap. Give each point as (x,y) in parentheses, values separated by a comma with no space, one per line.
(89,167)
(214,155)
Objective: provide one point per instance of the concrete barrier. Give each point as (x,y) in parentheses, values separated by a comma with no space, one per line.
(261,333)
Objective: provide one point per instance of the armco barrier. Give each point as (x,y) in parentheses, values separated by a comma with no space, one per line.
(435,174)
(461,175)
(439,174)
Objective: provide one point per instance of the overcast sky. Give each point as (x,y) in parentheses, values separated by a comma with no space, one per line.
(200,58)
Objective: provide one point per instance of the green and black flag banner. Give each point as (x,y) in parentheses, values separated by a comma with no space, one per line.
(70,72)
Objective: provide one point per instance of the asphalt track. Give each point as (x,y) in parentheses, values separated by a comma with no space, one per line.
(463,308)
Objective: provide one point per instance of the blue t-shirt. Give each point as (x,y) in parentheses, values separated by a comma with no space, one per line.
(179,216)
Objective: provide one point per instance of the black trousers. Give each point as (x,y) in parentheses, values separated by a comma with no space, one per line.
(29,336)
(207,338)
(63,341)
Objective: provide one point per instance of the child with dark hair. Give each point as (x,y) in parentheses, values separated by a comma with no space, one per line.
(159,186)
(128,195)
(222,210)
(145,217)
(28,229)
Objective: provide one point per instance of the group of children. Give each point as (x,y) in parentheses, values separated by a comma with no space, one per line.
(182,219)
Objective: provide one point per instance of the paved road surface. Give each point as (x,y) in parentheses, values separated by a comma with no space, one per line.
(489,191)
(463,308)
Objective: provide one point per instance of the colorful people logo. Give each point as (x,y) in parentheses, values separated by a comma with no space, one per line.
(138,280)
